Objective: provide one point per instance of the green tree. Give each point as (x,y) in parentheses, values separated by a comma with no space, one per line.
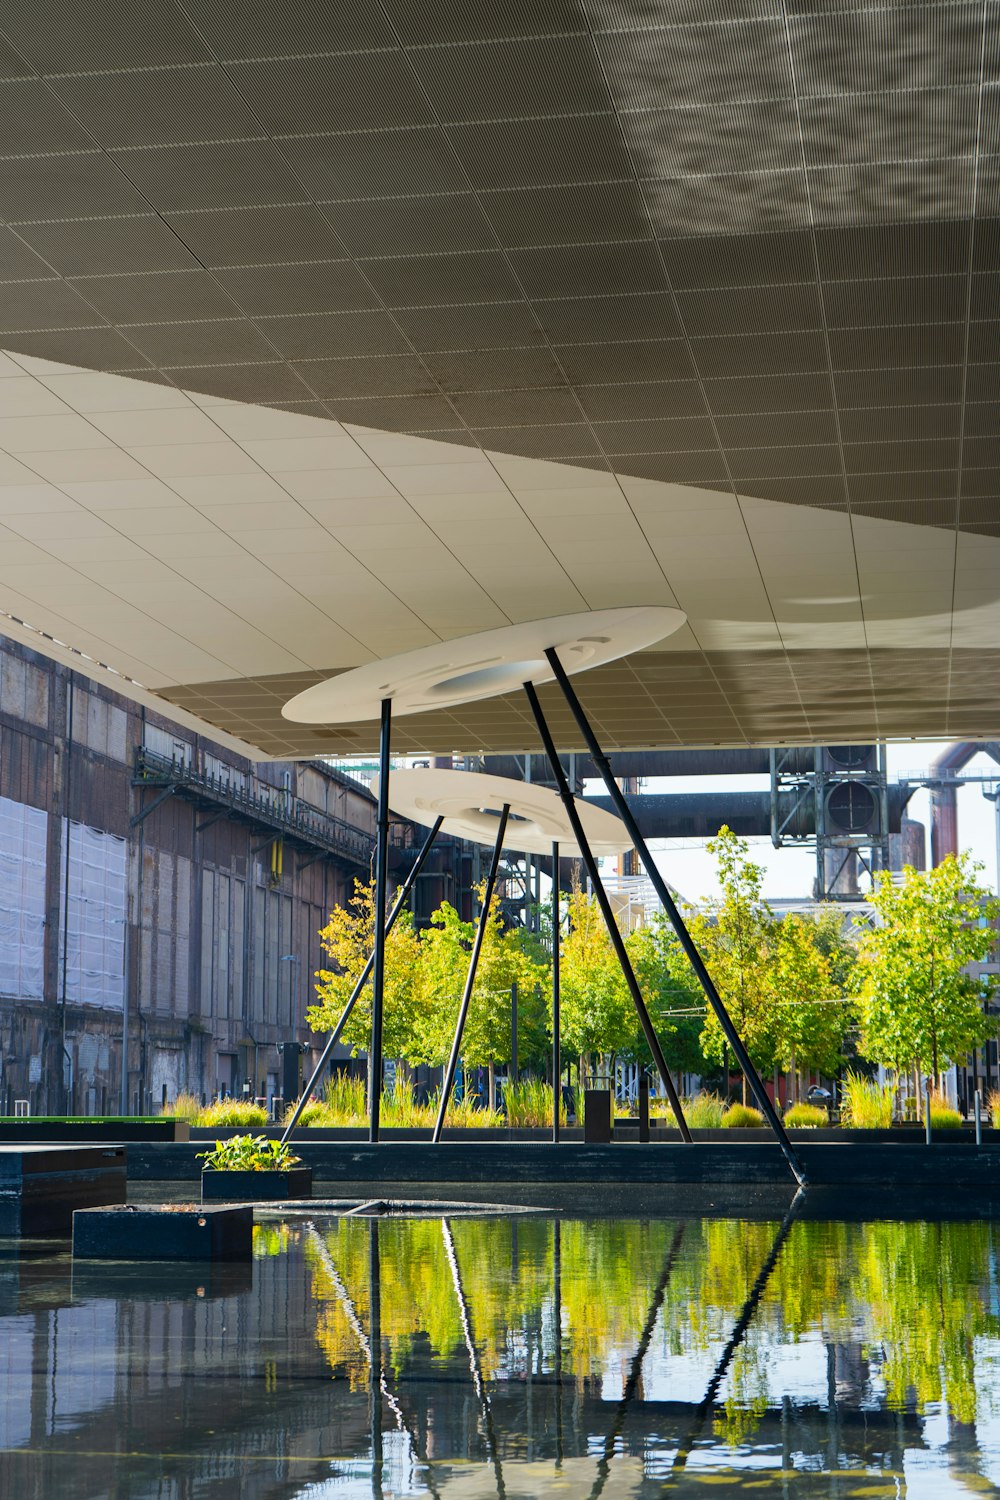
(597,1017)
(736,938)
(673,996)
(811,1013)
(917,1004)
(503,963)
(348,940)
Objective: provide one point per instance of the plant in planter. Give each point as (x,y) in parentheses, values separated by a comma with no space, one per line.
(247,1166)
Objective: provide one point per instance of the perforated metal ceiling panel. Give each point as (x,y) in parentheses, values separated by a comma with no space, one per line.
(746,248)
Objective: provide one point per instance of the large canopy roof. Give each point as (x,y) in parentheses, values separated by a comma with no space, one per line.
(337,330)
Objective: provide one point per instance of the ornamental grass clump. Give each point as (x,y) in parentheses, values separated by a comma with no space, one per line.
(529,1104)
(184,1107)
(313,1114)
(400,1110)
(865,1104)
(993,1105)
(805,1117)
(233,1112)
(249,1153)
(465,1114)
(345,1101)
(943,1115)
(704,1111)
(742,1117)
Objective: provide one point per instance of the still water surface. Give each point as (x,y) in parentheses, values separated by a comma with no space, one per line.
(513,1357)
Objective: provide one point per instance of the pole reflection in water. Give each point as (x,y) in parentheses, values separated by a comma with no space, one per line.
(474,1365)
(419,1357)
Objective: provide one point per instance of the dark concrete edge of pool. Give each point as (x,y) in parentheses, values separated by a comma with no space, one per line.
(577,1201)
(942,1165)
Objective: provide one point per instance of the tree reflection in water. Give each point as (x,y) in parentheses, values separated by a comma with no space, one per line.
(884,1316)
(473,1358)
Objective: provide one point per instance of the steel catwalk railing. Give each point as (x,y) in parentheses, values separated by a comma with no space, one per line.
(677,921)
(470,979)
(335,1035)
(614,933)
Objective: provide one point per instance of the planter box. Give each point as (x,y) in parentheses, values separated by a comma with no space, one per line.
(256,1187)
(163,1232)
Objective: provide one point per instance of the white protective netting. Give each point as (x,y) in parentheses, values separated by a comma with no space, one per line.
(96,909)
(22,899)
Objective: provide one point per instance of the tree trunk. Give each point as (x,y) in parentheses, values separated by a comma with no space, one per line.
(491,1088)
(918,1092)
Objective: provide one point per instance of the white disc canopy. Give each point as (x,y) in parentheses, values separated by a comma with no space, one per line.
(484,665)
(471,803)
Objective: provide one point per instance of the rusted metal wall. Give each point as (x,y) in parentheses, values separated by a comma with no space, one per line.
(218,951)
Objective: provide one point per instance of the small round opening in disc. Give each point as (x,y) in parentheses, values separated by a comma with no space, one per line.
(486,682)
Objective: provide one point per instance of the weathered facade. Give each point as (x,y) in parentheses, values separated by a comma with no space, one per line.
(160,899)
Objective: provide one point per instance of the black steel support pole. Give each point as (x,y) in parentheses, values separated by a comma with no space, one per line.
(381,880)
(470,978)
(402,897)
(677,921)
(556,1049)
(617,941)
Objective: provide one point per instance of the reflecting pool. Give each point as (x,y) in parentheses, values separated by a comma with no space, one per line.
(514,1356)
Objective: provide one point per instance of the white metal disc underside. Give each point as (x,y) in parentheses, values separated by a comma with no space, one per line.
(483,665)
(471,803)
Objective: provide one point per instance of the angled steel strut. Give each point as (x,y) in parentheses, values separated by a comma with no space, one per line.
(335,1034)
(617,941)
(677,921)
(470,979)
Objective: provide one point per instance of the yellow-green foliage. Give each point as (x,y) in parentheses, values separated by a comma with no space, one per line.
(313,1113)
(923,1292)
(993,1104)
(233,1112)
(943,1117)
(805,1117)
(704,1111)
(529,1103)
(865,1104)
(742,1117)
(184,1107)
(249,1153)
(345,1100)
(400,1111)
(465,1114)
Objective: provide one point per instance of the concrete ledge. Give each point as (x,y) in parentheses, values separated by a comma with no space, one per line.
(368,1169)
(41,1186)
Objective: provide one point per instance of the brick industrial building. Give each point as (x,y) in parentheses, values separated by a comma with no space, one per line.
(153,886)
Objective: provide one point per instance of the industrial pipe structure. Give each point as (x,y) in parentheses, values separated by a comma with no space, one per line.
(649,763)
(670,815)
